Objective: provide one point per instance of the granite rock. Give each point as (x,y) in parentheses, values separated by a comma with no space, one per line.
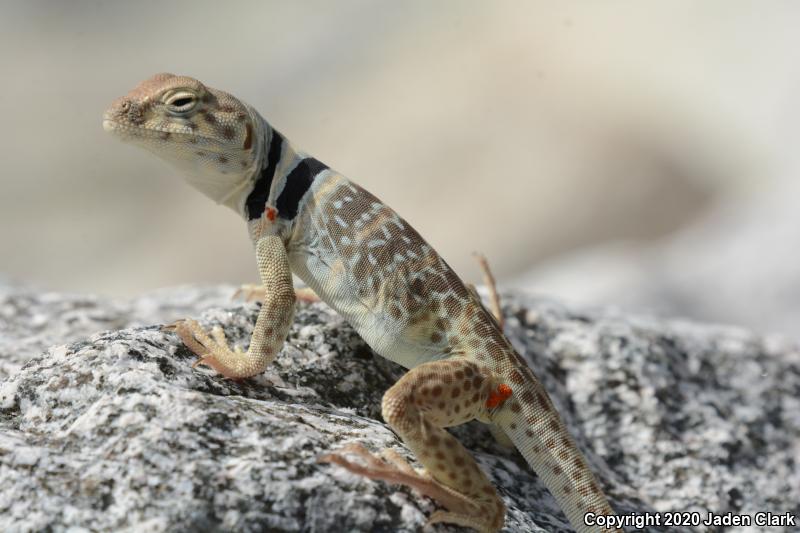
(114,431)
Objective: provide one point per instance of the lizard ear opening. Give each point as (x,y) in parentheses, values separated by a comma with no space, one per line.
(248,136)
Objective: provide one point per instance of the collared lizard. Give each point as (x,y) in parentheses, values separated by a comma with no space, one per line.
(367,263)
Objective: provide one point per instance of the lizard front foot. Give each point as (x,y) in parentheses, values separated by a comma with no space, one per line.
(256,293)
(392,468)
(250,292)
(212,349)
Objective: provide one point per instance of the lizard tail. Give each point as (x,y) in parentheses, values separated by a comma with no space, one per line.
(537,431)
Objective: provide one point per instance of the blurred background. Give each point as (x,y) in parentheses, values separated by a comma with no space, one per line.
(638,155)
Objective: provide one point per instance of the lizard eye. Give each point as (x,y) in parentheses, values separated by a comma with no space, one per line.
(181,103)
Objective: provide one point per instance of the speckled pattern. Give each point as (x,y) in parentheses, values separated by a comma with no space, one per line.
(116,430)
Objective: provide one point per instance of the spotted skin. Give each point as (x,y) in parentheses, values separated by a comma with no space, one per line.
(371,266)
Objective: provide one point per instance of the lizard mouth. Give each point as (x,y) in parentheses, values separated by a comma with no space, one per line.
(127,129)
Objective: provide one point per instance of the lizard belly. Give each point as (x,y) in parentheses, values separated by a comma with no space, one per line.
(384,334)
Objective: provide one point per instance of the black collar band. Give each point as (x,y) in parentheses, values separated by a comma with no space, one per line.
(257,199)
(298,182)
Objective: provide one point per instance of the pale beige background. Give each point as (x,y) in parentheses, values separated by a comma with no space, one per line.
(522,129)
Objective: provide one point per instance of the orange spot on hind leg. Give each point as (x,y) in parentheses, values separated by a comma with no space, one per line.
(498,396)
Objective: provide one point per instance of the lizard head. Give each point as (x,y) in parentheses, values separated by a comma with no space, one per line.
(208,134)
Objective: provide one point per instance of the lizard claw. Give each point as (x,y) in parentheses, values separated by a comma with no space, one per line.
(194,337)
(173,326)
(202,361)
(306,294)
(250,292)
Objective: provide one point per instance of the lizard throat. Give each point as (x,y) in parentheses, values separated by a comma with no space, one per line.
(225,189)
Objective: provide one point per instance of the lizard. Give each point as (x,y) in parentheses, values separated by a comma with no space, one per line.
(372,267)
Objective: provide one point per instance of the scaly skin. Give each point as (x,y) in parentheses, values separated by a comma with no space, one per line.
(366,262)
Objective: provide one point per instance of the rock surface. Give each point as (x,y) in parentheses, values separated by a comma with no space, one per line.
(114,431)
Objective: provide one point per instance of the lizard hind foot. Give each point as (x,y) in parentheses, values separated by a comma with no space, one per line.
(390,467)
(444,517)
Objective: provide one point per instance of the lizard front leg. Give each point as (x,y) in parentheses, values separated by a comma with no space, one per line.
(271,327)
(428,398)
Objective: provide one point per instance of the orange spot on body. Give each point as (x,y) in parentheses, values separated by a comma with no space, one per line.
(272,213)
(497,397)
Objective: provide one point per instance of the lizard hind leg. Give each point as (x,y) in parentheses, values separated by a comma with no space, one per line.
(428,398)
